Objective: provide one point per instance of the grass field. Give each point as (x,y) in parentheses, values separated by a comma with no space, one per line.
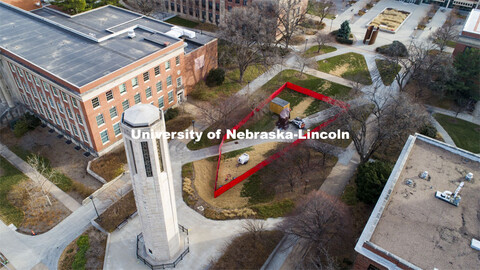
(265,123)
(386,73)
(230,86)
(348,66)
(182,22)
(463,133)
(313,51)
(9,176)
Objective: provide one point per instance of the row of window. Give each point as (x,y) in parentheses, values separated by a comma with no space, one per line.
(54,117)
(148,92)
(48,100)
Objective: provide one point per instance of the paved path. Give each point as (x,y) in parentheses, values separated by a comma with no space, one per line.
(24,167)
(464,116)
(442,131)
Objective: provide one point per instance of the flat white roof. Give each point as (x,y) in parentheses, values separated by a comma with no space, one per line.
(472,24)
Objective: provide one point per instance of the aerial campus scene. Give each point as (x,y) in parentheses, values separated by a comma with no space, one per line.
(239,134)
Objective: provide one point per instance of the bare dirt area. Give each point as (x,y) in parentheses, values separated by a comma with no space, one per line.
(338,71)
(111,165)
(205,176)
(299,110)
(63,157)
(41,211)
(94,255)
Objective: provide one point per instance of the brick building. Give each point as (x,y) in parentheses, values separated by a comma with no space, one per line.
(409,227)
(470,35)
(211,11)
(79,73)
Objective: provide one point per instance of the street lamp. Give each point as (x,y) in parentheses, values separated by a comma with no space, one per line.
(91,198)
(306,40)
(193,127)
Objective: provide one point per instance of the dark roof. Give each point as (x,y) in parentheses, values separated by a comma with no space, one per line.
(84,47)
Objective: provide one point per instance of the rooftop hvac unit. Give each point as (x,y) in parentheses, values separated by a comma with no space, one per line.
(177,32)
(469,176)
(131,33)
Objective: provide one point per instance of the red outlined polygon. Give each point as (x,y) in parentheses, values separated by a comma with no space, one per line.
(291,86)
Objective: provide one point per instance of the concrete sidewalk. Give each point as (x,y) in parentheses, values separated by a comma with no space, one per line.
(24,167)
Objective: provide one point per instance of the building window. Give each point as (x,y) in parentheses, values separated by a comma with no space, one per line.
(159,86)
(65,124)
(95,103)
(35,93)
(146,159)
(74,102)
(109,95)
(116,129)
(134,82)
(45,86)
(79,119)
(146,76)
(167,65)
(125,105)
(12,68)
(85,137)
(177,60)
(49,114)
(36,81)
(42,95)
(64,96)
(161,104)
(169,81)
(41,109)
(137,98)
(69,112)
(104,136)
(55,91)
(75,131)
(170,97)
(179,81)
(51,102)
(60,108)
(157,70)
(148,92)
(100,120)
(113,112)
(57,121)
(122,88)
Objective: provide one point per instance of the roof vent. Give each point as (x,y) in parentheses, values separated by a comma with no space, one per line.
(469,176)
(166,43)
(131,33)
(424,175)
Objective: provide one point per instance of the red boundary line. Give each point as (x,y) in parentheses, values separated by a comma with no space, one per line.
(245,175)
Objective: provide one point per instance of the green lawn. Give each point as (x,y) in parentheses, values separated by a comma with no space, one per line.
(61,180)
(464,134)
(386,71)
(313,51)
(230,86)
(182,22)
(348,66)
(267,121)
(9,176)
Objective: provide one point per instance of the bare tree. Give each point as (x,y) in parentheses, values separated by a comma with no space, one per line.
(289,16)
(224,113)
(255,227)
(249,36)
(42,174)
(315,222)
(322,8)
(391,118)
(444,34)
(304,62)
(146,7)
(321,39)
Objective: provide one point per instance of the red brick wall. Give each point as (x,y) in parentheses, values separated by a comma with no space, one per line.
(362,263)
(192,75)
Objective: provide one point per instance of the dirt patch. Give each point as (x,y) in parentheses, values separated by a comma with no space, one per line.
(117,212)
(299,110)
(111,165)
(205,176)
(94,255)
(39,215)
(63,157)
(339,70)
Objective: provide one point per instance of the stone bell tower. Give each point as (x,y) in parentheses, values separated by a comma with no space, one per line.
(150,169)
